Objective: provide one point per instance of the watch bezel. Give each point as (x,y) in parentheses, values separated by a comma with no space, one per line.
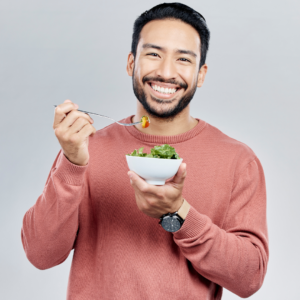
(171,216)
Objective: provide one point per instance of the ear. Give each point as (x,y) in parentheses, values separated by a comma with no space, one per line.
(201,75)
(130,64)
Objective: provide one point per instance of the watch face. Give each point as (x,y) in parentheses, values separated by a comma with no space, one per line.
(170,224)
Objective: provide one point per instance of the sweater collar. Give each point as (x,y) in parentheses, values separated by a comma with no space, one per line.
(161,139)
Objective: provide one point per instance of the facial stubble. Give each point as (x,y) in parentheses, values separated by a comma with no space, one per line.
(172,111)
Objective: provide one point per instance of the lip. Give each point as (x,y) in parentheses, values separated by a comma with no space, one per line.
(162,95)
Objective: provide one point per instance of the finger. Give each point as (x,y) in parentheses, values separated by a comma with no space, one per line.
(138,183)
(64,106)
(78,125)
(72,117)
(68,101)
(61,111)
(180,175)
(86,131)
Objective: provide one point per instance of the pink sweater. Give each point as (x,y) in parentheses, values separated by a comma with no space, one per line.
(120,253)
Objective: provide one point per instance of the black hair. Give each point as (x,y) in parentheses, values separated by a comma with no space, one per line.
(173,11)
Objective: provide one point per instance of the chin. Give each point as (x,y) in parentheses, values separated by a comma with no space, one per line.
(160,109)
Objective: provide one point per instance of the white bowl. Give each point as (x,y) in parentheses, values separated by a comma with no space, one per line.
(154,170)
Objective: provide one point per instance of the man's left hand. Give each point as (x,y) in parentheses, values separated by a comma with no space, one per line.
(156,201)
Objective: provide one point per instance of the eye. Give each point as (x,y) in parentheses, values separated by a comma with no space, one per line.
(153,54)
(184,59)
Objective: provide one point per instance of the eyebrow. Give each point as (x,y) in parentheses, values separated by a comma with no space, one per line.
(149,46)
(187,52)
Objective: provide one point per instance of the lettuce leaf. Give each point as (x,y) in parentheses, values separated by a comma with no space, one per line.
(163,151)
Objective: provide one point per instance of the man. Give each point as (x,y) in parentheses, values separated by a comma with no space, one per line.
(110,216)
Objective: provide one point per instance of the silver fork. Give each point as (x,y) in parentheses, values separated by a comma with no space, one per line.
(124,124)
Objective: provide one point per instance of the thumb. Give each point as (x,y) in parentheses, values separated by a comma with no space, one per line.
(180,175)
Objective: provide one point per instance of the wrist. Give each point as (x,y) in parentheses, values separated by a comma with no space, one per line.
(172,222)
(184,209)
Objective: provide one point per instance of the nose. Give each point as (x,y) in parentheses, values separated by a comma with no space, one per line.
(167,69)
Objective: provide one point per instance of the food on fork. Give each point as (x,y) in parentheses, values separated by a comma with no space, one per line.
(145,121)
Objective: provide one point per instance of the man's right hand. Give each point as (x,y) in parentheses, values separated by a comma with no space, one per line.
(72,129)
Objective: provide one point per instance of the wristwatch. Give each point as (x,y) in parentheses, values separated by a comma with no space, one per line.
(172,222)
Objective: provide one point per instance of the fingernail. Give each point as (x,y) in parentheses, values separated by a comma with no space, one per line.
(130,181)
(76,106)
(130,175)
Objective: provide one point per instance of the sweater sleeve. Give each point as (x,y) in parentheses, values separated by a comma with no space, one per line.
(50,227)
(236,255)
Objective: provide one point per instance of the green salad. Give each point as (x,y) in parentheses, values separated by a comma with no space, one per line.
(163,151)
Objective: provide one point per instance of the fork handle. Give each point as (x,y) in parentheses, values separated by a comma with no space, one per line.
(87,112)
(90,113)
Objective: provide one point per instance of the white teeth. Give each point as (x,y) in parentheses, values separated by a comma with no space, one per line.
(163,90)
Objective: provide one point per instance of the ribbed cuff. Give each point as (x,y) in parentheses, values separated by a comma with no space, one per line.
(192,226)
(69,172)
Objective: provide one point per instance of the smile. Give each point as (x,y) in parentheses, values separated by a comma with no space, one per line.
(163,91)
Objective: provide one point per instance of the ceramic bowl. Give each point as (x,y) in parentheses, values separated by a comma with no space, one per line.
(154,170)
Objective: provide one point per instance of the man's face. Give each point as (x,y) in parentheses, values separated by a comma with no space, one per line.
(166,67)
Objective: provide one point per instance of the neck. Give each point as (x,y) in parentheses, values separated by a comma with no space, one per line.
(181,123)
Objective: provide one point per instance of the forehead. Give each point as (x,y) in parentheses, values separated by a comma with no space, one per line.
(170,34)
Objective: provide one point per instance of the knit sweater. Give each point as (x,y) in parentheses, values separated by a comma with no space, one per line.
(121,253)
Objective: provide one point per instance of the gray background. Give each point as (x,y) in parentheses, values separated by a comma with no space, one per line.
(58,49)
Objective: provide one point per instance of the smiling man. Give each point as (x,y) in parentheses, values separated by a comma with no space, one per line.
(111,217)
